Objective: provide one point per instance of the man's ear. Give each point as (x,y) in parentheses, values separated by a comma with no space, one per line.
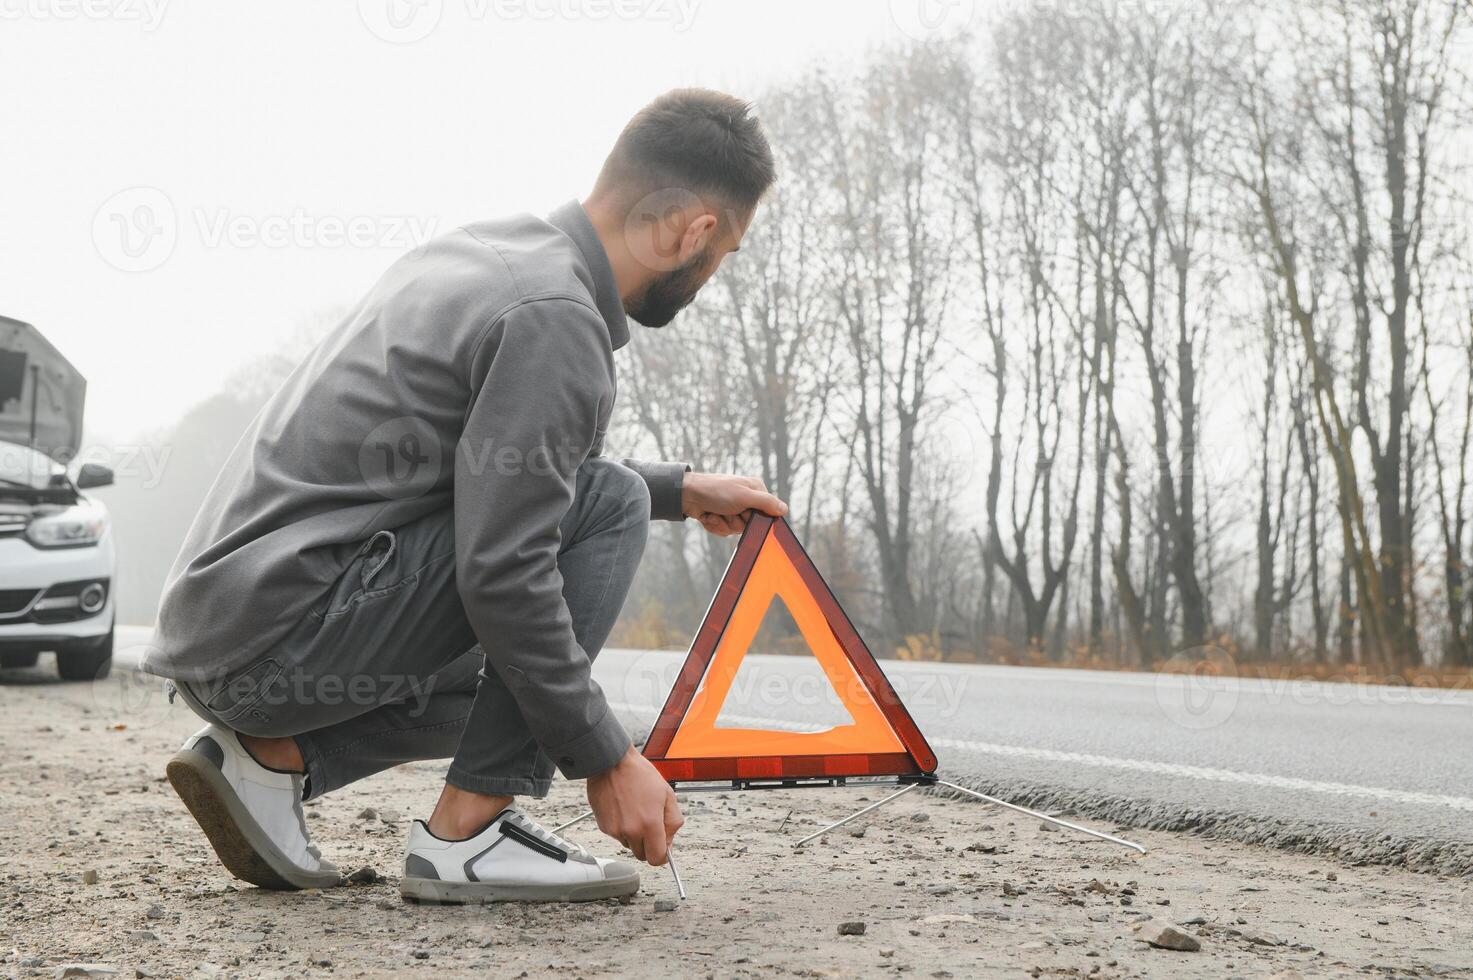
(698,234)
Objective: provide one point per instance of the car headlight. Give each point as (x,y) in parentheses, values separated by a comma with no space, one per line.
(68,528)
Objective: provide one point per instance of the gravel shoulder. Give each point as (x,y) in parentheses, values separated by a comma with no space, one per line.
(103,865)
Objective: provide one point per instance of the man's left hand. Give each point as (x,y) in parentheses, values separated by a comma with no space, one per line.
(722,503)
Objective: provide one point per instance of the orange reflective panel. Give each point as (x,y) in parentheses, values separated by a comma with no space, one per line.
(689,742)
(699,736)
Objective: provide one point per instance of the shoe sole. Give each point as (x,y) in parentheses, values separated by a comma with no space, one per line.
(240,843)
(432,891)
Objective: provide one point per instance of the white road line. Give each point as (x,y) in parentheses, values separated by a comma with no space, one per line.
(1207,774)
(1202,773)
(1275,691)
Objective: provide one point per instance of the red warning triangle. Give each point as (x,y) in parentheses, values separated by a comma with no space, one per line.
(688,745)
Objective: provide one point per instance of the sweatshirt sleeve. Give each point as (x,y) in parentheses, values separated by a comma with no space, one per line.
(665,481)
(548,376)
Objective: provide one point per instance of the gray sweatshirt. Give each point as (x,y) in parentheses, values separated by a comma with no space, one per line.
(477,374)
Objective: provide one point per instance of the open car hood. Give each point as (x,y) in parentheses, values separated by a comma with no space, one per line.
(28,362)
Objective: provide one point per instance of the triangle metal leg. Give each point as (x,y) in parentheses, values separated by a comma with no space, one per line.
(576,820)
(986,799)
(1042,816)
(679,885)
(858,813)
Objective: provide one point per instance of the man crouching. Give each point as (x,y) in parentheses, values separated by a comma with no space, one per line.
(417,549)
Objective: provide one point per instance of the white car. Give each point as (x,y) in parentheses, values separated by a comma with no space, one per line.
(56,565)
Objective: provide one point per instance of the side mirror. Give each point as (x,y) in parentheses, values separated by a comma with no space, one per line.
(94,475)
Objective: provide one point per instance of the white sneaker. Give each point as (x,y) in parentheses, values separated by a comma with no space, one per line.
(251,814)
(512,860)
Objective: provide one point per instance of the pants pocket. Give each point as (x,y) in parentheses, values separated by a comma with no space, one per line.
(376,554)
(367,566)
(243,690)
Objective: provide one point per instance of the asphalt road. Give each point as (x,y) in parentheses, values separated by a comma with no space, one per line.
(1345,761)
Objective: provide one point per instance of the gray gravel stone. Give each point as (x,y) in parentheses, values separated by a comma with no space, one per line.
(1164,935)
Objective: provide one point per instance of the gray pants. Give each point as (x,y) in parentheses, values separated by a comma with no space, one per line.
(385,668)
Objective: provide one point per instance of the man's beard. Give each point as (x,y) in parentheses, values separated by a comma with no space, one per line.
(668,295)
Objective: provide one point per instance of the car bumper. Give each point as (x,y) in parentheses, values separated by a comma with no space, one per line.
(25,567)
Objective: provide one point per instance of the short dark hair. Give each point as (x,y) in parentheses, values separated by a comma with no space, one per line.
(693,138)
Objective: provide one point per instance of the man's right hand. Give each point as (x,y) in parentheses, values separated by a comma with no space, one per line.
(634,805)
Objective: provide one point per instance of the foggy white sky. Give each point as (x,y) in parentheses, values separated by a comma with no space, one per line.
(186,183)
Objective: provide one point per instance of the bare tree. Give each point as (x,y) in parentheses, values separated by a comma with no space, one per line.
(895,238)
(1275,589)
(1307,439)
(1182,122)
(1450,486)
(1057,224)
(774,313)
(1375,99)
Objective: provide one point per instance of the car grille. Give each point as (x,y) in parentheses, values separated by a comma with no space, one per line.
(12,524)
(60,603)
(13,601)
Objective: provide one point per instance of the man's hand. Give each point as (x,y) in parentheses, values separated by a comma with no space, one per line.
(721,503)
(634,805)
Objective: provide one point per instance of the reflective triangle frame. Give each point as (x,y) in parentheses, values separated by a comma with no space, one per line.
(908,755)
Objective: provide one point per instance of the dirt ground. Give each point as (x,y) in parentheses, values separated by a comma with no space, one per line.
(102,865)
